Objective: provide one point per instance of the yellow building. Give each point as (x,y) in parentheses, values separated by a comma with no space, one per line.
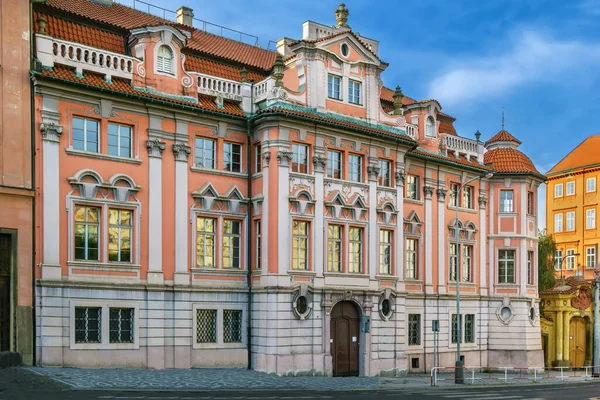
(572,207)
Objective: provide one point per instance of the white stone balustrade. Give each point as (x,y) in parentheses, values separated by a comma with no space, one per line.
(51,50)
(262,89)
(461,145)
(412,131)
(215,86)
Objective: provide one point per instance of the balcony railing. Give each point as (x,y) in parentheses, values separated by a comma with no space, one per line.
(262,88)
(83,57)
(461,145)
(412,131)
(215,86)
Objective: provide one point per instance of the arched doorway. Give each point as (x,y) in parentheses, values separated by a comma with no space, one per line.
(577,345)
(345,339)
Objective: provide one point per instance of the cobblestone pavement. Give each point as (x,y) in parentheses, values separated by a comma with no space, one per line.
(20,383)
(196,379)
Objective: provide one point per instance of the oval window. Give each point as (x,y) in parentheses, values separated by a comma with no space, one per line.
(505,313)
(386,307)
(345,50)
(301,305)
(532,314)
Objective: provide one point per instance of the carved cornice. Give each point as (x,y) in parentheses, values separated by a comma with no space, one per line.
(284,158)
(428,191)
(319,163)
(155,148)
(50,131)
(181,152)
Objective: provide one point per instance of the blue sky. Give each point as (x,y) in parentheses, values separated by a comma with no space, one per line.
(539,59)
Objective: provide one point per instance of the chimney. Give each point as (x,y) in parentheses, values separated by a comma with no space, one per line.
(397,96)
(185,15)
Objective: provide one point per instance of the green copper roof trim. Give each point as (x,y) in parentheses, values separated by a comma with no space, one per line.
(444,161)
(155,92)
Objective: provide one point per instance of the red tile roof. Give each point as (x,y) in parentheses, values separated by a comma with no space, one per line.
(441,114)
(123,86)
(74,32)
(128,18)
(510,161)
(204,66)
(387,94)
(462,160)
(447,127)
(566,286)
(584,155)
(503,136)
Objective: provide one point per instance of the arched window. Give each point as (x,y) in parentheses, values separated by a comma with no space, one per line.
(164,60)
(429,127)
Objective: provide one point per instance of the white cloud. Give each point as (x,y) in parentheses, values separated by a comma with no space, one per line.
(531,58)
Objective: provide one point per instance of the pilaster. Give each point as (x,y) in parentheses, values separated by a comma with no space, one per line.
(483,276)
(283,213)
(372,172)
(155,148)
(400,177)
(442,273)
(266,156)
(181,152)
(319,163)
(523,242)
(428,272)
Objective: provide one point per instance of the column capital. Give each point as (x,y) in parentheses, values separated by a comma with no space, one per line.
(51,131)
(181,152)
(319,163)
(441,194)
(400,177)
(373,172)
(155,148)
(284,158)
(482,202)
(266,155)
(428,192)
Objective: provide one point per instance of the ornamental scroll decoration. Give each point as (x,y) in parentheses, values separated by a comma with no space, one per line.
(583,299)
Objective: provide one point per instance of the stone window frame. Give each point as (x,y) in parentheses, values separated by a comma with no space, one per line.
(220,218)
(515,261)
(464,311)
(174,72)
(409,330)
(220,308)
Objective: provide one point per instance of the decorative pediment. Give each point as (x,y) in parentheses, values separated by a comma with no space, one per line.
(211,200)
(303,202)
(90,185)
(413,224)
(466,231)
(346,47)
(168,34)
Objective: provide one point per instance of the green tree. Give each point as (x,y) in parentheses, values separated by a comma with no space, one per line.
(546,273)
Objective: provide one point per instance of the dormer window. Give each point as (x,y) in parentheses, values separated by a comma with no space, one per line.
(429,127)
(164,61)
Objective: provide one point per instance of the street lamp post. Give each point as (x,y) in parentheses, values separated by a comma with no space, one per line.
(458,371)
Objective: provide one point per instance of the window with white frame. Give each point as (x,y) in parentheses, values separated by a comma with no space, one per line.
(354,92)
(355,250)
(121,322)
(205,153)
(429,127)
(87,228)
(590,185)
(530,268)
(384,177)
(334,164)
(119,140)
(258,158)
(558,190)
(467,263)
(164,60)
(334,84)
(231,243)
(119,235)
(300,239)
(590,218)
(590,257)
(570,188)
(414,329)
(205,242)
(232,157)
(506,266)
(412,187)
(570,221)
(506,201)
(453,262)
(355,168)
(570,258)
(467,193)
(558,260)
(300,158)
(558,222)
(88,325)
(454,194)
(86,134)
(334,248)
(412,259)
(258,244)
(385,252)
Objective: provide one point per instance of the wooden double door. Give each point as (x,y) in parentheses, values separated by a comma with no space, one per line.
(5,279)
(577,341)
(345,339)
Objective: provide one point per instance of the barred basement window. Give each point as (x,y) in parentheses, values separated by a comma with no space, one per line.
(470,328)
(232,326)
(121,325)
(414,329)
(206,326)
(88,324)
(455,329)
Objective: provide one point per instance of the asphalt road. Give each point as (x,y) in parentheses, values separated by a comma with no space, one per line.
(16,385)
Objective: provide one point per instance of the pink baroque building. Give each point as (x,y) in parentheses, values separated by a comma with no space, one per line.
(208,203)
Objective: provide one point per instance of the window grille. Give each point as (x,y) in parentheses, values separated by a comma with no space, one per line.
(470,328)
(232,326)
(206,326)
(455,329)
(414,329)
(88,324)
(121,325)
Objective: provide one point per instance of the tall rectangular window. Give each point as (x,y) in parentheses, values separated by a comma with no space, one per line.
(85,134)
(232,157)
(205,242)
(570,258)
(412,187)
(590,257)
(558,260)
(87,226)
(454,194)
(470,328)
(506,201)
(300,245)
(467,193)
(334,248)
(206,326)
(455,323)
(232,326)
(258,245)
(530,268)
(119,140)
(300,158)
(355,168)
(558,190)
(414,329)
(355,250)
(590,185)
(411,259)
(334,84)
(506,266)
(453,261)
(119,235)
(530,204)
(570,188)
(231,243)
(570,221)
(88,324)
(121,325)
(354,92)
(385,173)
(205,153)
(334,164)
(385,252)
(257,158)
(467,264)
(590,218)
(558,222)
